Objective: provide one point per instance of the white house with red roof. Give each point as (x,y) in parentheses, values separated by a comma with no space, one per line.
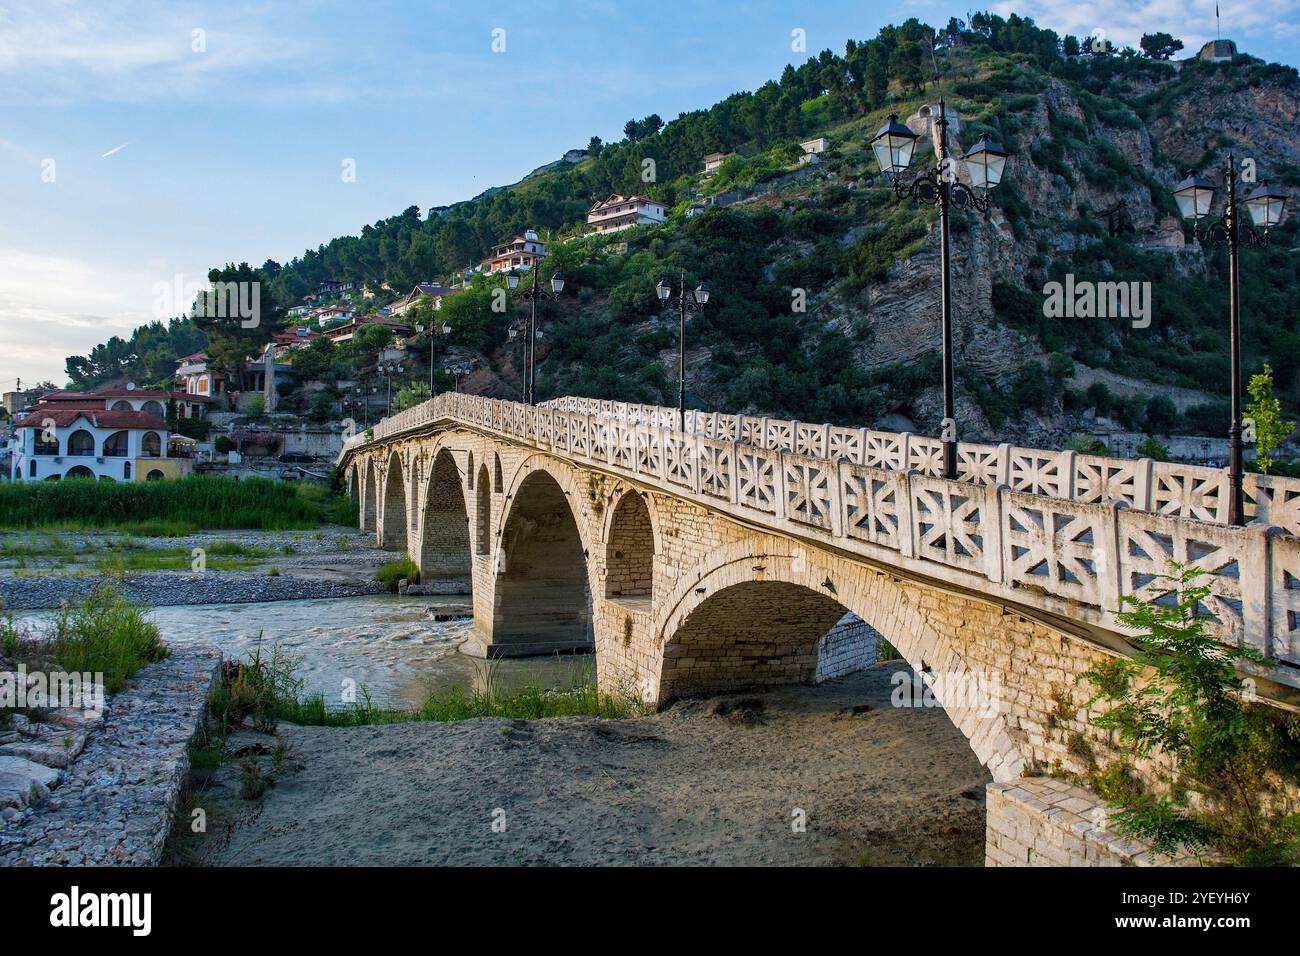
(521,252)
(57,440)
(622,212)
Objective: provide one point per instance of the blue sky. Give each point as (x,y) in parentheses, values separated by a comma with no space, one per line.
(171,151)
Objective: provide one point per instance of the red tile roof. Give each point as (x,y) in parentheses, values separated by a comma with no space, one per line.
(99,417)
(63,396)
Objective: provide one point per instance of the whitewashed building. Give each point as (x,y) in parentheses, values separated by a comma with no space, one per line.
(622,212)
(53,442)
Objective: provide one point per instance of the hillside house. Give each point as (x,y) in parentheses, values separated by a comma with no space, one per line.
(812,150)
(430,289)
(521,252)
(713,160)
(300,336)
(335,287)
(344,333)
(622,212)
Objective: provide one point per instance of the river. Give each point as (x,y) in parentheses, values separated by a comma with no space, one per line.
(383,643)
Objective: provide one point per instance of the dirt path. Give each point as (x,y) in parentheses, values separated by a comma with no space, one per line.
(686,786)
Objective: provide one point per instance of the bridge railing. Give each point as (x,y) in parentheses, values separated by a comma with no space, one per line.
(1187,491)
(1021,520)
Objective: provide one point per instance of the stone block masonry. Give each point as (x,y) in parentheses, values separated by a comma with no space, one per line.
(1043,821)
(848,647)
(114,805)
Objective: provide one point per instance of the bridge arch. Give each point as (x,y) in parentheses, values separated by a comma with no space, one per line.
(631,544)
(369,495)
(392,534)
(542,599)
(444,539)
(483,514)
(754,616)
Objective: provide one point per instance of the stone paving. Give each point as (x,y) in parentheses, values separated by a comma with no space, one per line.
(109,798)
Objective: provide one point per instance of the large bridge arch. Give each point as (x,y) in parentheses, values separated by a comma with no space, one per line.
(631,540)
(394,516)
(369,496)
(765,601)
(542,588)
(444,529)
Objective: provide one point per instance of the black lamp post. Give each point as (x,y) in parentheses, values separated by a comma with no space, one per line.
(939,186)
(532,294)
(388,370)
(685,306)
(1195,196)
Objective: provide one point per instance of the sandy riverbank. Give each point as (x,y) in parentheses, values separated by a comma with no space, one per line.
(704,782)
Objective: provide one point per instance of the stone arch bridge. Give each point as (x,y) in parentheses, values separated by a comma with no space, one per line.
(713,559)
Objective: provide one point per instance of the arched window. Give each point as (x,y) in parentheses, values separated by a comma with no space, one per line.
(154,475)
(126,471)
(121,405)
(80,471)
(81,442)
(31,468)
(44,447)
(497,484)
(116,444)
(483,518)
(629,558)
(153,408)
(151,445)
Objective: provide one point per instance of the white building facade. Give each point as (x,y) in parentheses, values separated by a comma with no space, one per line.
(54,443)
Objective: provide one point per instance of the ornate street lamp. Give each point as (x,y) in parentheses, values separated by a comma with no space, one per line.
(388,370)
(1195,198)
(530,342)
(692,305)
(939,186)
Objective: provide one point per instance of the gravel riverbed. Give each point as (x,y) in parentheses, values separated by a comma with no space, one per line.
(42,570)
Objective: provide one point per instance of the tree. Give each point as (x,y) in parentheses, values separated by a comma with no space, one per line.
(1179,698)
(594,146)
(238,325)
(1160,46)
(1161,415)
(1265,416)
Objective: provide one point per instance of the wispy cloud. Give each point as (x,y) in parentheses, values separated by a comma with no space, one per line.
(61,51)
(1191,21)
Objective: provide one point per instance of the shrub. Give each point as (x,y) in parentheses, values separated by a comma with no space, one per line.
(393,572)
(107,633)
(1179,697)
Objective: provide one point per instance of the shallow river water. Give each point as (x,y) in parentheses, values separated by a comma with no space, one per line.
(384,643)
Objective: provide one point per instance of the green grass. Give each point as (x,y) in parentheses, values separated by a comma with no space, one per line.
(166,508)
(392,572)
(265,687)
(105,633)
